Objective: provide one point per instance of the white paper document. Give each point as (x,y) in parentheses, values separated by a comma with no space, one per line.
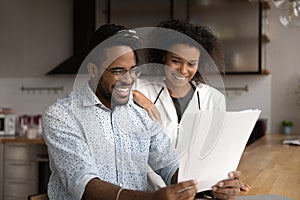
(211,145)
(294,141)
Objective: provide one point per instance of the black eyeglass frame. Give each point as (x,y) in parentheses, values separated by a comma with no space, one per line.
(119,72)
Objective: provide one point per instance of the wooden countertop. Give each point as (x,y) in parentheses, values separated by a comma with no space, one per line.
(271,167)
(7,139)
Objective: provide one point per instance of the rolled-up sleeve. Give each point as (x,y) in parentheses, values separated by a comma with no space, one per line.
(69,154)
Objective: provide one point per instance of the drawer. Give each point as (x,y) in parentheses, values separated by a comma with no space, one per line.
(21,170)
(20,188)
(23,151)
(18,151)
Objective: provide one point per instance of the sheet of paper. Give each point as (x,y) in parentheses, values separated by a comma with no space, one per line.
(295,141)
(212,143)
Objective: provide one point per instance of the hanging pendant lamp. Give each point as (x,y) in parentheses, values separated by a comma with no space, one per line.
(290,12)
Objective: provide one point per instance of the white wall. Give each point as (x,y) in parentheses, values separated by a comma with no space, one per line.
(283,60)
(36,101)
(35,36)
(32,102)
(257,96)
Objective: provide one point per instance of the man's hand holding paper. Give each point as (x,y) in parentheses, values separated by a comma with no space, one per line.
(220,190)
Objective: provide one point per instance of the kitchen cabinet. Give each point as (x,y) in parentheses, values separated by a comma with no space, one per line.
(21,169)
(132,13)
(237,23)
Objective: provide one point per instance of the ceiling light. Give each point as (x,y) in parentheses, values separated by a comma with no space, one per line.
(290,10)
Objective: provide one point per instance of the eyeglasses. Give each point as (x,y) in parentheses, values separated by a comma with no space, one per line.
(119,72)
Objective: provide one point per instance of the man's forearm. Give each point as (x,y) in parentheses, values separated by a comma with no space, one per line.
(97,189)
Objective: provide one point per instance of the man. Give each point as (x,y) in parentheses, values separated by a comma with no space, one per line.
(100,143)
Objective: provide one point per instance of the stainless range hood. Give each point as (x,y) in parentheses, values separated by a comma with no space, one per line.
(83,29)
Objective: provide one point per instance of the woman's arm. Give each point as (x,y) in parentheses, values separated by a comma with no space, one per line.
(145,103)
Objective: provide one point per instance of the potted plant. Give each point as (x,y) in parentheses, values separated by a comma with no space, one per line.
(287,126)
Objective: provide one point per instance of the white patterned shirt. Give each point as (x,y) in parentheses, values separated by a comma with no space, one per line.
(86,140)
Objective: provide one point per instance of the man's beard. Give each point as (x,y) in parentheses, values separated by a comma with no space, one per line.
(106,92)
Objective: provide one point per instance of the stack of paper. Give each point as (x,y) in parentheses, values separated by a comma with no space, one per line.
(294,141)
(212,144)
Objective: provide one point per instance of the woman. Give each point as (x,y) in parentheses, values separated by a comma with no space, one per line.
(182,90)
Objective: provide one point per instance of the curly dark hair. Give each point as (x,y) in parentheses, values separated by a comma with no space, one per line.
(200,35)
(110,35)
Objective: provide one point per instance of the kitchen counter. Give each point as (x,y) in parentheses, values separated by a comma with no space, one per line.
(21,139)
(271,167)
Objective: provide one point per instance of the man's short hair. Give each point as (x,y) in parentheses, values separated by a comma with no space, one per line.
(107,36)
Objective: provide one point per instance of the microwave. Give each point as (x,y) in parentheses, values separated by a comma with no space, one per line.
(7,124)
